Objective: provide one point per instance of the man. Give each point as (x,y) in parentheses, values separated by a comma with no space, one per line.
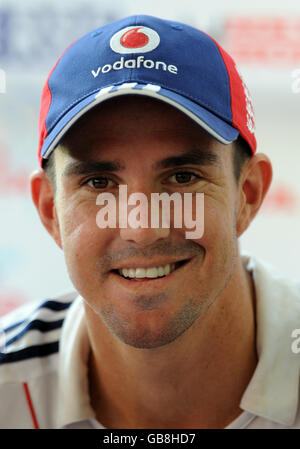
(163,331)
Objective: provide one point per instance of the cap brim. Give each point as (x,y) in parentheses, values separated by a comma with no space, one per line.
(214,125)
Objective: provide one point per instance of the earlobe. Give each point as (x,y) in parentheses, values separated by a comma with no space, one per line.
(43,197)
(253,187)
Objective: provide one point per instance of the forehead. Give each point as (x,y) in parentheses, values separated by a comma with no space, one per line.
(112,125)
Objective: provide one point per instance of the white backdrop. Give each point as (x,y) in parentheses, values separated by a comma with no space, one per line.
(34,33)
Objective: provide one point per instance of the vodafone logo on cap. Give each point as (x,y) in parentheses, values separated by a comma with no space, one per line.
(134,39)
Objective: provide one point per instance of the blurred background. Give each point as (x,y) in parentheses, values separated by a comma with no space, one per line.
(263,36)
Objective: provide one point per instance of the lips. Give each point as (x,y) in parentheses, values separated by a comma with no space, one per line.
(153,272)
(150,272)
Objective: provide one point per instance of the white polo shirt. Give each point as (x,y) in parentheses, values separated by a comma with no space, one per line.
(44,371)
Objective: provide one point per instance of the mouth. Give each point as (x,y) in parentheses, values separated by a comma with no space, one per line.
(149,273)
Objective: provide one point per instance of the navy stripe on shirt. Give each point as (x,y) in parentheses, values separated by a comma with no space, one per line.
(42,326)
(31,352)
(55,306)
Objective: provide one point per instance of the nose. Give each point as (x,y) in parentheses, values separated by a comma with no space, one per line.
(144,236)
(139,228)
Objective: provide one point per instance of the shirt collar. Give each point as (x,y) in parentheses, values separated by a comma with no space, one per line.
(273,391)
(73,389)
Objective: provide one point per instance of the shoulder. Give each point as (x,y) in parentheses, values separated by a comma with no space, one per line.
(30,335)
(268,277)
(29,344)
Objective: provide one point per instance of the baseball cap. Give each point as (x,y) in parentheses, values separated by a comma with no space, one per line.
(145,55)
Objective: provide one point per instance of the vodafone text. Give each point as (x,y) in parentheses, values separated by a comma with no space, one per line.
(135,63)
(138,216)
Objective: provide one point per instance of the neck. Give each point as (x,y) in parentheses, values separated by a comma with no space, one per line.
(195,381)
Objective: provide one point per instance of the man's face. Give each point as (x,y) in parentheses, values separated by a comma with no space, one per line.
(142,141)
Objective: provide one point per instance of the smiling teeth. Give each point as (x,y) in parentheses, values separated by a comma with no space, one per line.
(153,272)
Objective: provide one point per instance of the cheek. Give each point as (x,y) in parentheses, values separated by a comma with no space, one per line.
(76,219)
(83,241)
(219,236)
(216,215)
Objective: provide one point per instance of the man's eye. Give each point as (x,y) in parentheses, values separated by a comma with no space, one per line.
(183,177)
(99,182)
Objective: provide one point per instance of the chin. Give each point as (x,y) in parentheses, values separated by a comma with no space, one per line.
(150,330)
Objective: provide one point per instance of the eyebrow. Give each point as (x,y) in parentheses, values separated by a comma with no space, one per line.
(194,157)
(89,167)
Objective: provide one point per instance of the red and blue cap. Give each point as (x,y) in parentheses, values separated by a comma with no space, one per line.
(145,55)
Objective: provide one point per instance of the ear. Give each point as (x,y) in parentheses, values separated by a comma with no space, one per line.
(254,183)
(42,194)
